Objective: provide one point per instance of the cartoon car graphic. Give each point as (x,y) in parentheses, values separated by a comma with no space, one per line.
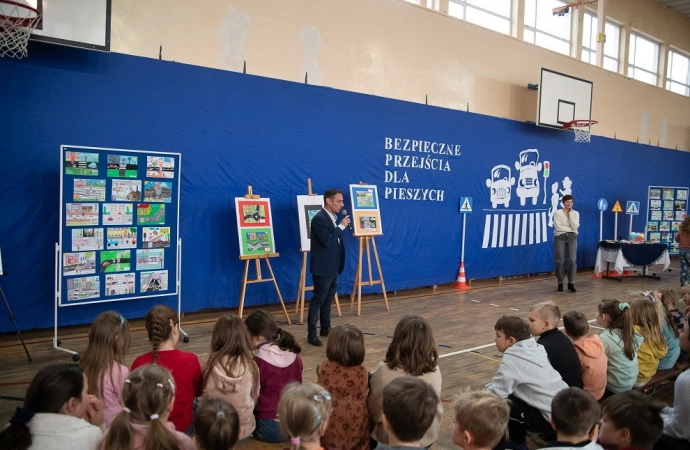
(528,182)
(500,184)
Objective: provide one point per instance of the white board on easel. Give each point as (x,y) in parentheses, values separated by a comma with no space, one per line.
(307,207)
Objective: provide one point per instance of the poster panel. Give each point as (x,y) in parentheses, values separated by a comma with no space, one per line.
(254,226)
(307,207)
(667,207)
(365,210)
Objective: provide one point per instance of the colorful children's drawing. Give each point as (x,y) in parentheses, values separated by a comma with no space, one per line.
(366,217)
(364,198)
(668,205)
(78,163)
(654,237)
(652,226)
(118,213)
(119,284)
(87,239)
(675,225)
(150,214)
(121,238)
(126,191)
(257,241)
(158,191)
(656,215)
(78,263)
(680,205)
(154,281)
(150,259)
(121,166)
(655,193)
(115,260)
(664,226)
(80,214)
(681,194)
(666,237)
(253,213)
(307,207)
(669,194)
(160,167)
(82,288)
(680,215)
(655,204)
(668,215)
(156,237)
(367,223)
(88,190)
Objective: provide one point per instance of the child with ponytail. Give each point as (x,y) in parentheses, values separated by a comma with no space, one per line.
(103,361)
(647,322)
(277,356)
(304,411)
(216,425)
(669,330)
(231,373)
(621,343)
(148,395)
(163,327)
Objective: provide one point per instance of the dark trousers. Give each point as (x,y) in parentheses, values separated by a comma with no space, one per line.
(524,418)
(666,442)
(320,304)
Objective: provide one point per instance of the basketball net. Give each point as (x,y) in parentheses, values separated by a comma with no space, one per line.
(582,129)
(17,21)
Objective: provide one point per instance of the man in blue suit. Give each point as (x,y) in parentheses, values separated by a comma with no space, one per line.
(327,262)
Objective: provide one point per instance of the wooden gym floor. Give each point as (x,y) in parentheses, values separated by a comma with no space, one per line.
(462,321)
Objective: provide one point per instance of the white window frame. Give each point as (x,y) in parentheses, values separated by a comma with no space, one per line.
(633,69)
(537,31)
(589,52)
(464,6)
(670,81)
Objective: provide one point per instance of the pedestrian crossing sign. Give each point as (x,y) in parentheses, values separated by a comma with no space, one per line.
(465,205)
(617,207)
(632,208)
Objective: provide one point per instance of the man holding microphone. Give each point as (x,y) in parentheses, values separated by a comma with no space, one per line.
(327,262)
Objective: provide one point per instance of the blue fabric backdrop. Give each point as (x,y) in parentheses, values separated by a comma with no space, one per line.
(235,130)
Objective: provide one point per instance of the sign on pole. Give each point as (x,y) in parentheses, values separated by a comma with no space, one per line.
(603,205)
(633,209)
(616,209)
(465,205)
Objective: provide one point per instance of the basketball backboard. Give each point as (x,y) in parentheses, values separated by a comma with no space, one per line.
(75,23)
(563,98)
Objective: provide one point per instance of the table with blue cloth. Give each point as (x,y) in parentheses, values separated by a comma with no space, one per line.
(628,255)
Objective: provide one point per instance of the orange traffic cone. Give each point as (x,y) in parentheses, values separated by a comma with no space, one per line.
(460,282)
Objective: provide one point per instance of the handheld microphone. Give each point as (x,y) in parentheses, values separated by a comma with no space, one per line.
(344,211)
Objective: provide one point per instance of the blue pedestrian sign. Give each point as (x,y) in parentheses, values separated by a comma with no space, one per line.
(632,208)
(602,204)
(465,205)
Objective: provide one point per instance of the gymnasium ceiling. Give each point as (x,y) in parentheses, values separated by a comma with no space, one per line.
(681,7)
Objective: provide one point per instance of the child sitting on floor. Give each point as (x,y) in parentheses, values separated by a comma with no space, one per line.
(575,416)
(543,323)
(648,324)
(670,332)
(630,421)
(526,377)
(591,352)
(480,420)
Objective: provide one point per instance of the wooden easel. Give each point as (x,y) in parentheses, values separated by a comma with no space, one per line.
(364,242)
(259,279)
(302,288)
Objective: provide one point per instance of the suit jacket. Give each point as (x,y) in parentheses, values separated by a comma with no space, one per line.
(327,250)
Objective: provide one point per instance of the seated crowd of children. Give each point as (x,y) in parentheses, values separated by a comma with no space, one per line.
(574,389)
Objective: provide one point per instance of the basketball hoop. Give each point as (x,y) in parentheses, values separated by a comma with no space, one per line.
(17,21)
(582,129)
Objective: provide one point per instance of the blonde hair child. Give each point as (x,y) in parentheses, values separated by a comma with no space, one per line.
(647,322)
(621,344)
(669,298)
(348,382)
(163,327)
(668,329)
(216,425)
(231,373)
(304,411)
(148,395)
(103,361)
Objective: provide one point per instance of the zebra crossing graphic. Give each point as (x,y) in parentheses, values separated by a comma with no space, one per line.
(515,228)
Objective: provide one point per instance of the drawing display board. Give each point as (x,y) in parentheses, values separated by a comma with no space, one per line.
(255,226)
(307,207)
(667,207)
(119,221)
(366,215)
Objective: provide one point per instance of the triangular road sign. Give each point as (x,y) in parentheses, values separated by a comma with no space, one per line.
(617,207)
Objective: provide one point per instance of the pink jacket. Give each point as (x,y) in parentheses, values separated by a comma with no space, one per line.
(112,391)
(594,364)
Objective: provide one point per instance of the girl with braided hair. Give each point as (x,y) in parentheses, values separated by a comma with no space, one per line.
(148,396)
(277,356)
(163,327)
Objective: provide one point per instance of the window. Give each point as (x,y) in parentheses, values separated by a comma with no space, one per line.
(643,59)
(544,29)
(494,14)
(589,42)
(678,79)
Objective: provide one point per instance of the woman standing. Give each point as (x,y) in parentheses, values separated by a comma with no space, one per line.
(566,222)
(683,239)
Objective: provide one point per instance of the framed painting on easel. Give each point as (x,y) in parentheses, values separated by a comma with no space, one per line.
(307,207)
(255,226)
(365,210)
